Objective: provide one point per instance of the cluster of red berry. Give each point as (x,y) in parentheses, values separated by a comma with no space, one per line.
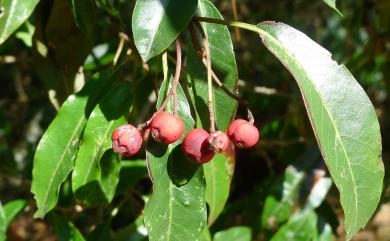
(199,145)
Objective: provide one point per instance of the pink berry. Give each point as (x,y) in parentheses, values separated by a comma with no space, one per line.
(166,127)
(126,140)
(243,134)
(218,141)
(196,147)
(234,125)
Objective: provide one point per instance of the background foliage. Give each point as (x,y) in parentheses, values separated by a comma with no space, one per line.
(283,173)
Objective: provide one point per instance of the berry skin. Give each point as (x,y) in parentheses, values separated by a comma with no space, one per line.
(234,125)
(166,128)
(243,134)
(196,146)
(218,141)
(126,140)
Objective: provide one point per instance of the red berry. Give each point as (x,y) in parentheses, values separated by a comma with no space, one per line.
(233,126)
(166,127)
(126,140)
(218,141)
(243,134)
(196,147)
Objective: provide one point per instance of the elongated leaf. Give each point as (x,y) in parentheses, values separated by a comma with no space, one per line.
(301,227)
(177,208)
(219,171)
(157,23)
(342,117)
(83,13)
(12,14)
(3,223)
(205,236)
(234,234)
(133,232)
(332,4)
(65,230)
(12,209)
(56,152)
(104,119)
(280,202)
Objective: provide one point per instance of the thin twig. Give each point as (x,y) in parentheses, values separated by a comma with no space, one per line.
(210,102)
(172,91)
(235,16)
(122,39)
(177,75)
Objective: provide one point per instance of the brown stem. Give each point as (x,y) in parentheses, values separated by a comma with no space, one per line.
(177,75)
(235,16)
(210,102)
(172,91)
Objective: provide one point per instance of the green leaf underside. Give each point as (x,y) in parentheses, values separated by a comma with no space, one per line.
(157,23)
(176,210)
(342,116)
(12,210)
(88,171)
(218,172)
(234,234)
(300,227)
(57,149)
(332,4)
(64,229)
(15,12)
(279,204)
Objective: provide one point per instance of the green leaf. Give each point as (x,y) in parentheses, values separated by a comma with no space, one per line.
(219,171)
(205,236)
(83,13)
(332,4)
(234,234)
(301,227)
(157,23)
(13,209)
(136,231)
(88,171)
(3,224)
(326,233)
(131,172)
(177,208)
(64,229)
(280,202)
(57,149)
(342,116)
(12,14)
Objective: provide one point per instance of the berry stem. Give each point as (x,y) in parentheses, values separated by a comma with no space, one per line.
(172,91)
(210,102)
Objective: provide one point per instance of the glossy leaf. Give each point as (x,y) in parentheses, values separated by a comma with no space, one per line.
(13,13)
(13,209)
(64,229)
(342,116)
(57,149)
(280,202)
(332,4)
(205,236)
(219,171)
(89,171)
(177,208)
(157,23)
(234,234)
(301,227)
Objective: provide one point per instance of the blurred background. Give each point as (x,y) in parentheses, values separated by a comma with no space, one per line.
(360,39)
